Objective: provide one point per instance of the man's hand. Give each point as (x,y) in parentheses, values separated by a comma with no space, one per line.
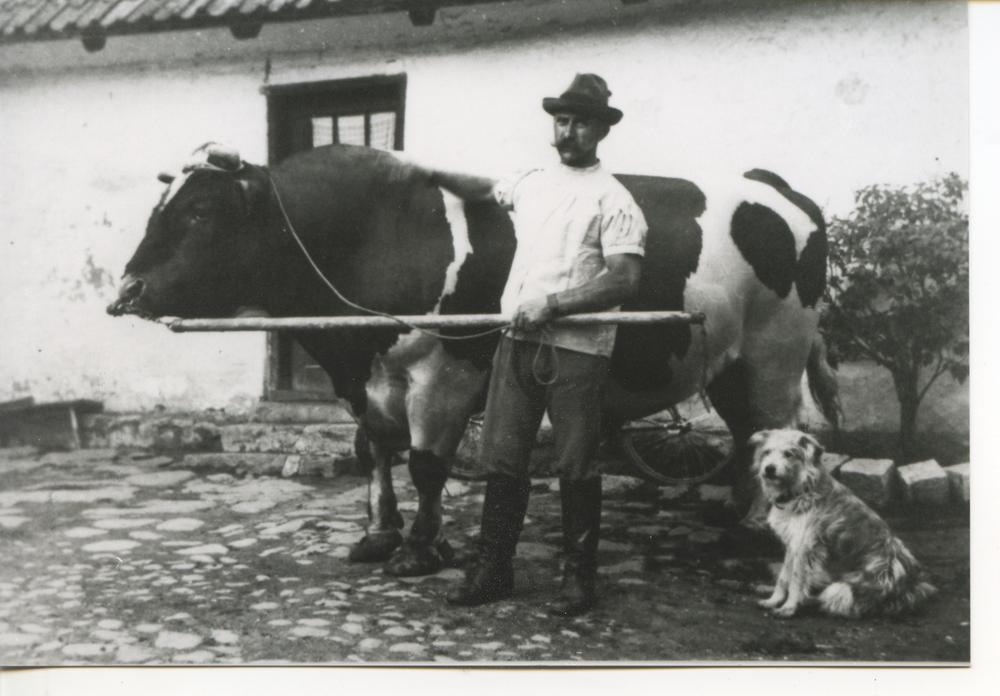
(531,315)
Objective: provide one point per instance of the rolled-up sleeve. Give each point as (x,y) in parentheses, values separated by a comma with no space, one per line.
(624,229)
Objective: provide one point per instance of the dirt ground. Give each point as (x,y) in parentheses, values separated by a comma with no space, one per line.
(110,559)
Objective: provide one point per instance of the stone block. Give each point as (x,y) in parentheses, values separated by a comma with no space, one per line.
(78,458)
(259,437)
(327,439)
(716,494)
(237,463)
(164,433)
(673,492)
(151,432)
(149,461)
(308,465)
(300,412)
(924,483)
(323,439)
(618,486)
(9,453)
(292,465)
(832,462)
(870,479)
(958,482)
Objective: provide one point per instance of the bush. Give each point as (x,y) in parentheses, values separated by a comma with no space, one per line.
(898,289)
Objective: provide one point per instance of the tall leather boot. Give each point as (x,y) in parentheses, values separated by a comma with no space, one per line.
(581,516)
(491,576)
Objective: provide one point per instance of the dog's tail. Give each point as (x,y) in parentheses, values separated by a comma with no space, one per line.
(823,383)
(889,584)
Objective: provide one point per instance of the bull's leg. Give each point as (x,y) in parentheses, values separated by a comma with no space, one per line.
(424,551)
(762,390)
(438,412)
(384,521)
(730,395)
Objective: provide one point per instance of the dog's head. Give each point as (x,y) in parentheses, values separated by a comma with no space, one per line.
(786,462)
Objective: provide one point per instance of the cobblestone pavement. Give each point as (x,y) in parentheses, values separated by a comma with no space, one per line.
(120,559)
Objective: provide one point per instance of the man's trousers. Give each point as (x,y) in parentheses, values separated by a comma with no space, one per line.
(528,379)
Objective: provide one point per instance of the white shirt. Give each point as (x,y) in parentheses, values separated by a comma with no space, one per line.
(567,220)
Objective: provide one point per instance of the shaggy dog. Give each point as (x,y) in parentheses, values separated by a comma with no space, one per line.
(838,552)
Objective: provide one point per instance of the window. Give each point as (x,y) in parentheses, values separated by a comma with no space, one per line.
(366,111)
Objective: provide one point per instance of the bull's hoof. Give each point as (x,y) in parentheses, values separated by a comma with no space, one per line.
(417,559)
(375,548)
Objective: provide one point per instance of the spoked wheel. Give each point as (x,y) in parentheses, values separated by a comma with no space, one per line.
(673,452)
(665,452)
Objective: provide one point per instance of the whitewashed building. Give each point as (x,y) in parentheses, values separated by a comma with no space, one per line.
(98,96)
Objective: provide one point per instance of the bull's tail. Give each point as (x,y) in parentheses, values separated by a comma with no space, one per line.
(823,382)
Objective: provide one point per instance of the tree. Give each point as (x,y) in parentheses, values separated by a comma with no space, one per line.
(898,290)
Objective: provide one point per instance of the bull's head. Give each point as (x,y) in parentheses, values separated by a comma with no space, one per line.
(198,256)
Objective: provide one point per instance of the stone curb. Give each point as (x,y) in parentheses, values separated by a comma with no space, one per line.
(880,482)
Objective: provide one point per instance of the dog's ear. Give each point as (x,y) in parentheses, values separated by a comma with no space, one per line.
(758,439)
(812,473)
(812,447)
(754,444)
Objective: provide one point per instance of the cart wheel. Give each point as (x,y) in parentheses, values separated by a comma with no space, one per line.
(466,466)
(665,456)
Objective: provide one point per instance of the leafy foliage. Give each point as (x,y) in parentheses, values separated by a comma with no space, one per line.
(898,289)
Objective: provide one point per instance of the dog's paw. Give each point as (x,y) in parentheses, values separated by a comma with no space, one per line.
(770,603)
(785,612)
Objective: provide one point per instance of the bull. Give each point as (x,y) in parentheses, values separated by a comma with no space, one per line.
(227,235)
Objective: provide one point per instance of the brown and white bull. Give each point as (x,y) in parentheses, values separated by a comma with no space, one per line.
(751,257)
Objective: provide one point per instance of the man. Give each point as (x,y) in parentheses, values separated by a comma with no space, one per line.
(580,239)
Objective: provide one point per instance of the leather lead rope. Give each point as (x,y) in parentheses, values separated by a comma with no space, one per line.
(553,359)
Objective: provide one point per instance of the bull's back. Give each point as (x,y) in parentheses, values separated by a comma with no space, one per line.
(711,253)
(386,242)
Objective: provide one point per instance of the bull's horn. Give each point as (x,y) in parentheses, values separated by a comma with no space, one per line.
(166,178)
(223,157)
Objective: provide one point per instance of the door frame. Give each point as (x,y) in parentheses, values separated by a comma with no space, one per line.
(285,102)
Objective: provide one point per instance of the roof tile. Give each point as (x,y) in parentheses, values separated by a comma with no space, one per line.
(193,8)
(68,15)
(94,11)
(144,10)
(41,19)
(120,11)
(220,7)
(171,8)
(22,20)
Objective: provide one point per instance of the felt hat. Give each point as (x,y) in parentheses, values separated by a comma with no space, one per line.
(588,96)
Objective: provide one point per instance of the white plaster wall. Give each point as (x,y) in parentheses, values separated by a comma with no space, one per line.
(80,158)
(832,96)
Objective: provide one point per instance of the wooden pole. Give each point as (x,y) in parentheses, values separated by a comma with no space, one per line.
(424,321)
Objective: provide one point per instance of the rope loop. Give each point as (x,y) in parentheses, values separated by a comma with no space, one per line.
(553,359)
